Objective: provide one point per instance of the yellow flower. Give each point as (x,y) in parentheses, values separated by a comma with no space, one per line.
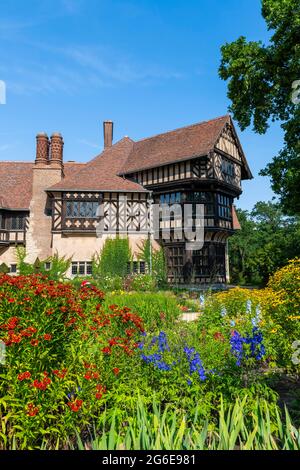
(274,330)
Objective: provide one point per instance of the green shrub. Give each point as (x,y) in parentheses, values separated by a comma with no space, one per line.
(159,269)
(113,258)
(141,282)
(58,266)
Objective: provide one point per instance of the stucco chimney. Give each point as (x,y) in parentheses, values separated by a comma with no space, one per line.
(56,154)
(108,129)
(42,149)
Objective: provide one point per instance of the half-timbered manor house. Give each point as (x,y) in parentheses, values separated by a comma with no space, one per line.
(50,206)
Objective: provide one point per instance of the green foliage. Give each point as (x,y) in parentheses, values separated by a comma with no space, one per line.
(159,269)
(141,282)
(113,259)
(157,309)
(260,88)
(4,269)
(266,241)
(158,428)
(58,265)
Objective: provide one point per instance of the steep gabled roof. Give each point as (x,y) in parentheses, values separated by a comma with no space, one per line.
(16,183)
(174,146)
(179,145)
(101,173)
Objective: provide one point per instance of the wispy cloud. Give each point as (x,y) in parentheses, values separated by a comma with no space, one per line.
(5,147)
(89,144)
(71,6)
(72,68)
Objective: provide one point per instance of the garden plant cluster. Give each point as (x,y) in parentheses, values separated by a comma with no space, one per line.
(82,364)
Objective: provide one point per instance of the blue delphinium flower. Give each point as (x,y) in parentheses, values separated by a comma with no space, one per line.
(236,343)
(255,340)
(223,312)
(202,300)
(195,362)
(248,306)
(156,359)
(232,323)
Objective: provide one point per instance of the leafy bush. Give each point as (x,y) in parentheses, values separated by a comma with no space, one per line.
(159,269)
(62,354)
(58,265)
(113,258)
(141,282)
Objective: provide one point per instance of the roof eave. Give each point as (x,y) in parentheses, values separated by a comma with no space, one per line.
(171,162)
(53,190)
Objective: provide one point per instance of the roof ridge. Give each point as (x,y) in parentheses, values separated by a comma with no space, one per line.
(17,161)
(125,138)
(181,128)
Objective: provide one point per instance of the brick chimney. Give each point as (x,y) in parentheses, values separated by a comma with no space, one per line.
(42,149)
(56,154)
(47,171)
(108,129)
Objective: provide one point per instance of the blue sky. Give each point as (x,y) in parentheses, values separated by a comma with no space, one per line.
(149,65)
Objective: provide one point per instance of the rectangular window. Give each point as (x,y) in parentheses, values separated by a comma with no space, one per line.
(81,268)
(83,209)
(47,266)
(13,268)
(135,268)
(142,267)
(17,223)
(74,269)
(89,268)
(224,206)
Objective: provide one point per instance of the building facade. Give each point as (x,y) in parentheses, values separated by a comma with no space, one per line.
(51,206)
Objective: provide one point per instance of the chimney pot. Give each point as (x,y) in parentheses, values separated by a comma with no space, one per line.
(42,149)
(108,129)
(57,145)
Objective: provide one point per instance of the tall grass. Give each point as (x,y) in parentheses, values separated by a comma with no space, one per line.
(168,430)
(157,309)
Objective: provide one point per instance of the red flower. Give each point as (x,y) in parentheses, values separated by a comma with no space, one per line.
(100,391)
(15,338)
(32,410)
(34,342)
(116,370)
(42,385)
(75,405)
(95,375)
(11,300)
(47,337)
(106,350)
(88,376)
(60,374)
(24,376)
(12,323)
(218,336)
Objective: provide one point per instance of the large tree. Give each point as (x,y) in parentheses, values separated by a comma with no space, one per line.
(264,85)
(266,241)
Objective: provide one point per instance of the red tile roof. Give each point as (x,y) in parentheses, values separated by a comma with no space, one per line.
(235,221)
(16,183)
(101,173)
(106,171)
(174,146)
